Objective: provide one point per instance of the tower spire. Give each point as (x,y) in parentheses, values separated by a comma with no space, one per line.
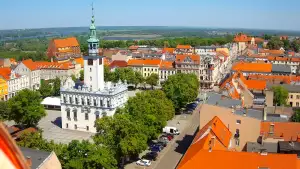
(93,41)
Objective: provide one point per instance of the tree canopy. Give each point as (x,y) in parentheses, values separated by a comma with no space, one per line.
(4,111)
(181,89)
(280,95)
(296,116)
(25,108)
(152,80)
(275,43)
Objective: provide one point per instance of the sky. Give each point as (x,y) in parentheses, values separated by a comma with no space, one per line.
(261,14)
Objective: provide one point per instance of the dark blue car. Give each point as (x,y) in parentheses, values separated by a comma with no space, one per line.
(155,148)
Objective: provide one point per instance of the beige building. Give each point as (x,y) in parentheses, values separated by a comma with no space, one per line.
(122,55)
(188,64)
(145,66)
(293,98)
(166,69)
(249,128)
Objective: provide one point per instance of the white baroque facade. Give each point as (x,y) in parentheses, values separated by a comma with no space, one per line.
(16,83)
(82,104)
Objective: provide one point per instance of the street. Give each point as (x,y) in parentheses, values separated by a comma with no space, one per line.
(171,155)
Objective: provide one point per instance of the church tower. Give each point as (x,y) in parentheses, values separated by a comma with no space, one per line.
(93,63)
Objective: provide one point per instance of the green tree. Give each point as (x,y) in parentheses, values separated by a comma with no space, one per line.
(152,80)
(138,79)
(26,109)
(56,86)
(181,89)
(45,89)
(286,44)
(296,116)
(267,37)
(4,111)
(150,108)
(295,46)
(74,78)
(121,134)
(81,77)
(280,95)
(107,74)
(275,43)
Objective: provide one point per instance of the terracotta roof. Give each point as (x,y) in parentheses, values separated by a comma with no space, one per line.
(289,131)
(216,131)
(54,65)
(281,78)
(256,84)
(184,47)
(259,40)
(294,59)
(166,65)
(67,42)
(236,160)
(181,58)
(276,52)
(118,63)
(252,67)
(169,50)
(138,62)
(5,73)
(276,58)
(79,61)
(132,47)
(106,61)
(208,153)
(241,38)
(30,64)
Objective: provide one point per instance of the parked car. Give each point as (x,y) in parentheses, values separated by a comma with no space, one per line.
(156,147)
(143,162)
(171,130)
(168,136)
(163,144)
(151,156)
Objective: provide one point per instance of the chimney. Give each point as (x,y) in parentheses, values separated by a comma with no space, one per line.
(263,152)
(298,138)
(28,160)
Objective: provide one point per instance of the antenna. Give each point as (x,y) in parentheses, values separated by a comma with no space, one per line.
(92,8)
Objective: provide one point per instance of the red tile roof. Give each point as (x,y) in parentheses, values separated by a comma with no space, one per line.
(67,42)
(54,65)
(241,38)
(168,50)
(166,65)
(210,150)
(139,62)
(30,64)
(118,63)
(132,47)
(275,52)
(252,67)
(5,73)
(79,61)
(289,131)
(181,58)
(184,47)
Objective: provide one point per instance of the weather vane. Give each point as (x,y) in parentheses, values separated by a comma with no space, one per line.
(93,8)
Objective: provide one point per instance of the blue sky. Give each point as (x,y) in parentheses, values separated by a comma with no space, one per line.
(263,14)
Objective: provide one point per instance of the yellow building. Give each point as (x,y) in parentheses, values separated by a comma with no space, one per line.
(146,67)
(3,90)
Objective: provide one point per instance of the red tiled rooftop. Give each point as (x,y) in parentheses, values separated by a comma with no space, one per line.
(252,67)
(181,58)
(183,47)
(67,42)
(118,63)
(154,62)
(289,131)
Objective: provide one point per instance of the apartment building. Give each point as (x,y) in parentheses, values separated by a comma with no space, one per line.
(15,82)
(145,66)
(184,49)
(188,64)
(166,69)
(3,90)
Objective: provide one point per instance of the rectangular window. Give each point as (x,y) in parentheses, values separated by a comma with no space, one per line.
(88,102)
(90,69)
(101,103)
(86,116)
(67,125)
(64,99)
(100,61)
(95,102)
(75,115)
(97,116)
(82,101)
(75,126)
(87,128)
(291,96)
(298,96)
(108,104)
(297,104)
(90,78)
(90,62)
(68,113)
(71,100)
(238,121)
(76,100)
(271,130)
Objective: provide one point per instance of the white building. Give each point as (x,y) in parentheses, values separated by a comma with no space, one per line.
(15,81)
(205,50)
(30,69)
(82,104)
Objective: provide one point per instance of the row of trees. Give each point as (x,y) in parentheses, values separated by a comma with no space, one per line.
(127,133)
(276,43)
(130,76)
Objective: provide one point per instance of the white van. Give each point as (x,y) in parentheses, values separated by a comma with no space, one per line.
(171,130)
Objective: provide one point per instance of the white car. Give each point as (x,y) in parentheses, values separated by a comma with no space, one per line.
(143,162)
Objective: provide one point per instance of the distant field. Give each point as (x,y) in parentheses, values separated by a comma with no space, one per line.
(12,54)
